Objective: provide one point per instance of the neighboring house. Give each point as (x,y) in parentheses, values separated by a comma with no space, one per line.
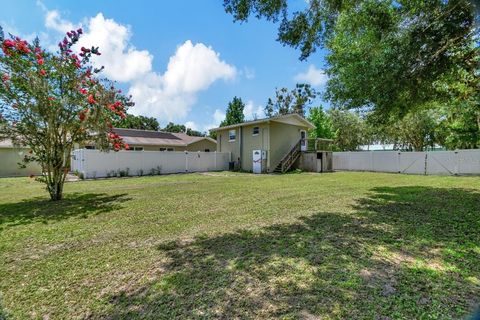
(393,147)
(280,141)
(148,140)
(10,157)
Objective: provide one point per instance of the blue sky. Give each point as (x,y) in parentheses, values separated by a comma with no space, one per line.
(182,61)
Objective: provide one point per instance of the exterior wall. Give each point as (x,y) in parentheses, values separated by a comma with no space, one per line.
(274,137)
(9,159)
(197,146)
(254,142)
(157,148)
(283,138)
(223,145)
(202,145)
(250,142)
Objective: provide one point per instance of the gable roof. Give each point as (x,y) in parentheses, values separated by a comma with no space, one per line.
(286,118)
(150,137)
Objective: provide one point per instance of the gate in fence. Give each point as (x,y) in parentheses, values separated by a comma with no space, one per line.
(458,162)
(97,164)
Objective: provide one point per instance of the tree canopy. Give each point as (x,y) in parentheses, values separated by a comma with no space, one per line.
(386,56)
(323,124)
(50,102)
(234,112)
(137,122)
(291,101)
(172,127)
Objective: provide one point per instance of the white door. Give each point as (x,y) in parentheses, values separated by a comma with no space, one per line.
(303,141)
(257,161)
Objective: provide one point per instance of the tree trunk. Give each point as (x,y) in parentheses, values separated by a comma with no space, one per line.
(55,188)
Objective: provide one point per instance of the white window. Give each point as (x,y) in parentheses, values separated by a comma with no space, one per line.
(136,149)
(90,147)
(232,134)
(255,131)
(163,149)
(167,149)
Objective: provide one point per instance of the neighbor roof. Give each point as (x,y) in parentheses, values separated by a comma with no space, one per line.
(281,118)
(150,137)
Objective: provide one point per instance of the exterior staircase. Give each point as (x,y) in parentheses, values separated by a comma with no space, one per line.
(289,159)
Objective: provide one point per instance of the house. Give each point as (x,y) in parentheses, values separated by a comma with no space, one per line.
(266,145)
(11,156)
(148,140)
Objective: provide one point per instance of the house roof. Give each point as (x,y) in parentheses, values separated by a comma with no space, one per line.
(150,137)
(292,118)
(144,137)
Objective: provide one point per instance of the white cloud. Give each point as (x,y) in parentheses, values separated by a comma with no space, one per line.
(193,68)
(253,112)
(168,96)
(192,125)
(53,20)
(315,77)
(249,73)
(217,117)
(122,61)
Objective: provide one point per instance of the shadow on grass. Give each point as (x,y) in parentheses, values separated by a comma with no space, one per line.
(408,252)
(43,210)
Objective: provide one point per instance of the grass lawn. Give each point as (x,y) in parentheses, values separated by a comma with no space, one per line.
(225,245)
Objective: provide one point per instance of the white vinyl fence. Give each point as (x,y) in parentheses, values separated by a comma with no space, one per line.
(459,162)
(97,164)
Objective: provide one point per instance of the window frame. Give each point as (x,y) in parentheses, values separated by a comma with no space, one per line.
(253,131)
(230,135)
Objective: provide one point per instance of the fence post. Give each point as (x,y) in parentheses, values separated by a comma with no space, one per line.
(85,163)
(215,159)
(457,160)
(398,162)
(426,161)
(186,161)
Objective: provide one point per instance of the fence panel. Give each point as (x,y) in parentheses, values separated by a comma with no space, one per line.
(461,162)
(385,162)
(97,164)
(468,162)
(442,163)
(411,162)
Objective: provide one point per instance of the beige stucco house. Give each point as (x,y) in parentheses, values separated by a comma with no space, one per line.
(279,139)
(149,140)
(11,156)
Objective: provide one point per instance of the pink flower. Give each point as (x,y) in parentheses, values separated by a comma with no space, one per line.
(5,77)
(43,73)
(91,99)
(51,98)
(40,61)
(9,43)
(83,91)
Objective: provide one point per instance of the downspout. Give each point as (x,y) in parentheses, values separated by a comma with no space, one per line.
(241,147)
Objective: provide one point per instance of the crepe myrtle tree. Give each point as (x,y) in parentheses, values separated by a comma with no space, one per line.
(52,101)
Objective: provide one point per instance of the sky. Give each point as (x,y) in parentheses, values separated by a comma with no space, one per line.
(182,61)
